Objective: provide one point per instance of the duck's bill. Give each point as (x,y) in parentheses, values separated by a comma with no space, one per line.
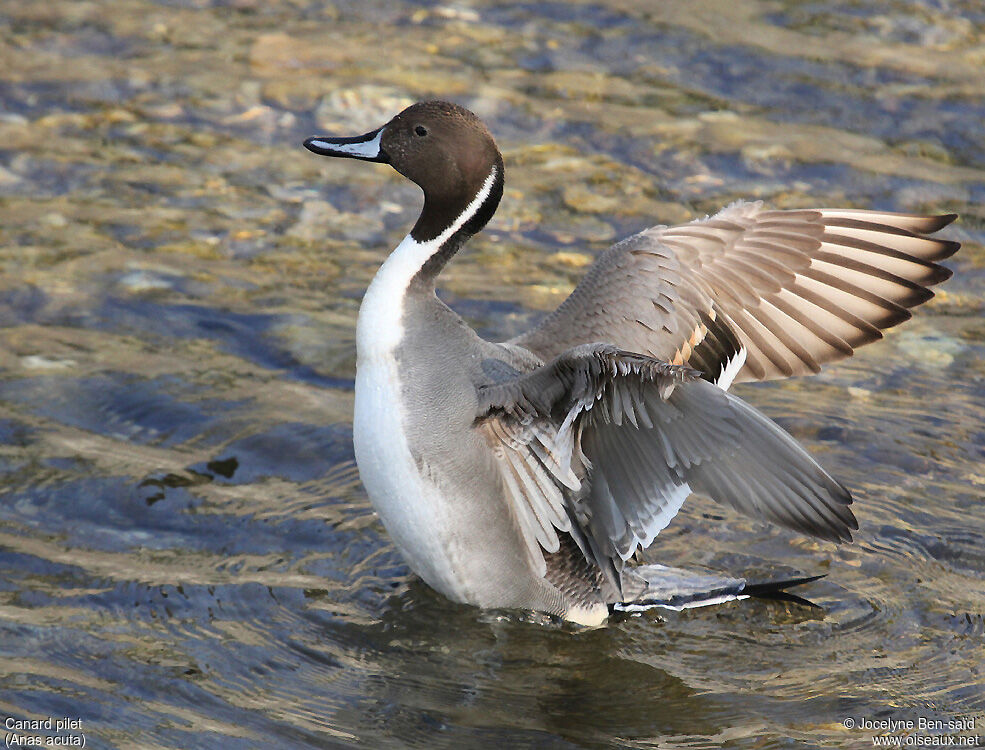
(366,147)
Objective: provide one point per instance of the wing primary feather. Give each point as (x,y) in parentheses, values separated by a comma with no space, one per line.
(647,293)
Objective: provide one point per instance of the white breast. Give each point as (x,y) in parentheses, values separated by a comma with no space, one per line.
(408,504)
(419,519)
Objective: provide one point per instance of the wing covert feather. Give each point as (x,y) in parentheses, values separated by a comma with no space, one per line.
(796,288)
(616,441)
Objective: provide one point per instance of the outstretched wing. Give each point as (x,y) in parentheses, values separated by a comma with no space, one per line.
(607,445)
(752,293)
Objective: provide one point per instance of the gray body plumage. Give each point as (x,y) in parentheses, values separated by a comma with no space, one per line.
(527,473)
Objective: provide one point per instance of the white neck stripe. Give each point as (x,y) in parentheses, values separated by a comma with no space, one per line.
(379,329)
(470,210)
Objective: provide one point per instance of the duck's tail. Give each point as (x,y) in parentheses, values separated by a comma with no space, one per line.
(677,589)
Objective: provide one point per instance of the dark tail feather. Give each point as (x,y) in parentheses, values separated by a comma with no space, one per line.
(674,588)
(777,590)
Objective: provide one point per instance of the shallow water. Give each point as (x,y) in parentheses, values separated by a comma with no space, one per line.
(188,558)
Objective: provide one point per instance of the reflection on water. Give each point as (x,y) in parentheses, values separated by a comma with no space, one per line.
(188,557)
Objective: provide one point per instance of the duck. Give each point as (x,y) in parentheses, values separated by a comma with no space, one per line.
(530,474)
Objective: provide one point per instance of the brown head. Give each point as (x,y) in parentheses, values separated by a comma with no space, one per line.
(443,148)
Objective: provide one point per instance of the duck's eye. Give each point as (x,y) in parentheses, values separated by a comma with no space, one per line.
(421,130)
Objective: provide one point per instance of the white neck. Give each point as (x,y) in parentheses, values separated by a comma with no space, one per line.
(380,326)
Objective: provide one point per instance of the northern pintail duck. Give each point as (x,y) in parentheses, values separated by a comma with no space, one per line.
(526,474)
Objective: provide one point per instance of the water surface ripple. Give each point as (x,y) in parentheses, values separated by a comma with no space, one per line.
(188,558)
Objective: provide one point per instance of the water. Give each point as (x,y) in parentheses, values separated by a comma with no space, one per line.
(188,558)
